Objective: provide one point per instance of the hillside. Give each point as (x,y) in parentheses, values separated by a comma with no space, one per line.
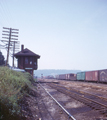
(53,72)
(13,87)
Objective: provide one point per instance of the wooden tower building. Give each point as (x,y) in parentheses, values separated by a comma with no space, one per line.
(27,60)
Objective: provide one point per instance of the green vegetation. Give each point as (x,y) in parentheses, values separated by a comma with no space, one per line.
(13,86)
(2,62)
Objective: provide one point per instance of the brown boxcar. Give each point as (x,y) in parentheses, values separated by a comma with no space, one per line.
(70,76)
(91,76)
(66,77)
(62,76)
(103,75)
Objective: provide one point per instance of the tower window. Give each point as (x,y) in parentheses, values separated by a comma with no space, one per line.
(26,60)
(30,60)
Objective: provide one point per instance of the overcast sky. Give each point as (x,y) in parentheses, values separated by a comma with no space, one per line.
(67,34)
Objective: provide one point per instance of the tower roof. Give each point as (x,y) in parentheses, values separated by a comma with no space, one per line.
(26,52)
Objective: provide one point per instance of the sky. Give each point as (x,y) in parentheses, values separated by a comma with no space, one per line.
(67,34)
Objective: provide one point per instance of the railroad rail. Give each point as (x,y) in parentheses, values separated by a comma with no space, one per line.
(90,95)
(46,82)
(43,109)
(69,115)
(87,99)
(87,94)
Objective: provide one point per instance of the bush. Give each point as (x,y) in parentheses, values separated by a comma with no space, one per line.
(13,85)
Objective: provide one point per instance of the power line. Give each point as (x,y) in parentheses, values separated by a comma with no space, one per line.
(10,34)
(3,15)
(5,12)
(8,11)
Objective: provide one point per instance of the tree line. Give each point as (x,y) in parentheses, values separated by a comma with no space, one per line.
(2,60)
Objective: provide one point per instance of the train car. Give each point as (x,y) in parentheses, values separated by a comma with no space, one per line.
(62,76)
(103,75)
(72,76)
(80,76)
(91,76)
(67,76)
(49,77)
(57,76)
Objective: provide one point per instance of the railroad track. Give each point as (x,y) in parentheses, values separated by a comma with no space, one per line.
(100,99)
(95,102)
(43,110)
(70,117)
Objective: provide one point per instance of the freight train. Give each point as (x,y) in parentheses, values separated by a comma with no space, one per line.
(93,76)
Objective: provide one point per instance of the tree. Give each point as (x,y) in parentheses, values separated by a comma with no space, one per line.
(2,61)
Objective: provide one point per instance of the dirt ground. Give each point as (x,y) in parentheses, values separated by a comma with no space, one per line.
(39,106)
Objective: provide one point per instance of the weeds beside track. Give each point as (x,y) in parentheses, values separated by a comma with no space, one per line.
(13,86)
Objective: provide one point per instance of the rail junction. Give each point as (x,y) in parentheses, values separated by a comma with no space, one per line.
(95,103)
(70,117)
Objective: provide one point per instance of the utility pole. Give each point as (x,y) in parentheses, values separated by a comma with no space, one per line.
(8,46)
(13,52)
(9,35)
(14,48)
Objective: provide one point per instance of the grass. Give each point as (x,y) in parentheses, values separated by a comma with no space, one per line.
(13,86)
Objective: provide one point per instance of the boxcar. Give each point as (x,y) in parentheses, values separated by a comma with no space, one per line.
(62,76)
(81,76)
(67,76)
(91,76)
(70,76)
(103,75)
(57,76)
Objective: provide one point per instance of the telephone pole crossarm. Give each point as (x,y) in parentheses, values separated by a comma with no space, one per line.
(10,34)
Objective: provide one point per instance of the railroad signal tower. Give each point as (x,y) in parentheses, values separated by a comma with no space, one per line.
(27,60)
